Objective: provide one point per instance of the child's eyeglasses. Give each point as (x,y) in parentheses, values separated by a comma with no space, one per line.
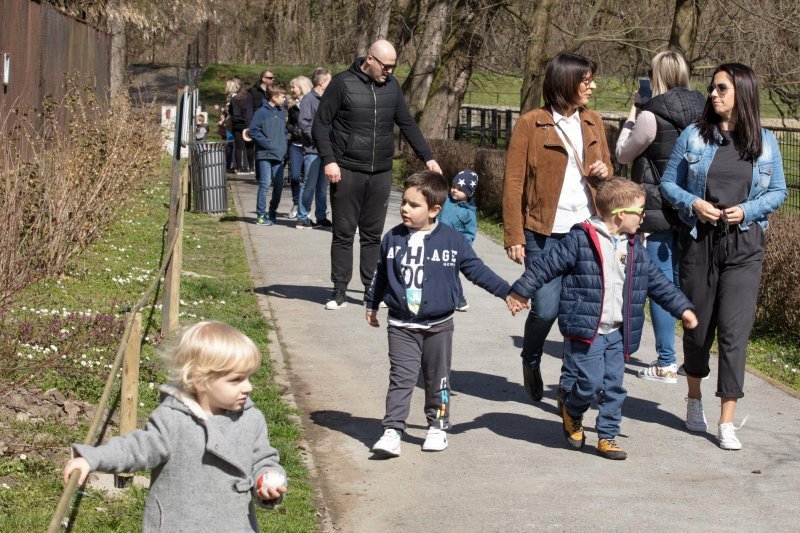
(631,210)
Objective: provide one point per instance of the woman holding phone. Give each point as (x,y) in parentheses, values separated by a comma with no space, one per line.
(724,177)
(646,142)
(555,157)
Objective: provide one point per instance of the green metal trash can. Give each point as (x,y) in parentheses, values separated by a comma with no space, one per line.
(208,180)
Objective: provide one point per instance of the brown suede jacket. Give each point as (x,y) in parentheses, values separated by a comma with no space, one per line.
(535,167)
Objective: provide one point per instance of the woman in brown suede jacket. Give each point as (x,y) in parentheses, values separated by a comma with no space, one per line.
(555,158)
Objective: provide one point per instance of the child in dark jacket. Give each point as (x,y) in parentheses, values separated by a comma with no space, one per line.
(206,443)
(268,131)
(607,277)
(459,212)
(418,279)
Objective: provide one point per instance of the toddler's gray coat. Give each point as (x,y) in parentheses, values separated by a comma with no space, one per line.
(204,467)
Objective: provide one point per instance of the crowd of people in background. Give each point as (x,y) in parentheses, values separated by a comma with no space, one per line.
(245,154)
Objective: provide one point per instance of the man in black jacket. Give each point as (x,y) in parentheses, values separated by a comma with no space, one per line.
(353,131)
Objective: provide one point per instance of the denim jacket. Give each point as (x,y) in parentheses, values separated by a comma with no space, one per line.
(684,179)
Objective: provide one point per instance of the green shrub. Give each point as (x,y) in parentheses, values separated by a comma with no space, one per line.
(454,156)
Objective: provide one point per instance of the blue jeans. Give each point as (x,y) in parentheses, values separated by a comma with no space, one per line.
(314,188)
(296,171)
(600,368)
(269,172)
(544,304)
(663,251)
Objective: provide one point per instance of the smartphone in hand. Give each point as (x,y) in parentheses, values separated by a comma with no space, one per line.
(645,90)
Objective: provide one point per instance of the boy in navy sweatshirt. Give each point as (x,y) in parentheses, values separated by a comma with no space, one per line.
(268,131)
(418,279)
(607,275)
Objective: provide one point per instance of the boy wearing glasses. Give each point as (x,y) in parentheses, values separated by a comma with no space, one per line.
(607,275)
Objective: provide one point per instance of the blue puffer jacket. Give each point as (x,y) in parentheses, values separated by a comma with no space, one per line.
(578,258)
(446,254)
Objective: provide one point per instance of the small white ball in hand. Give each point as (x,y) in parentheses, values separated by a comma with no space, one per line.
(271,480)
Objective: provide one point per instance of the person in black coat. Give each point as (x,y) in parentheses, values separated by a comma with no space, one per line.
(354,133)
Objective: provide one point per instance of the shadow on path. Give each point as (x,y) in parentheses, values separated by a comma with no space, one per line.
(309,293)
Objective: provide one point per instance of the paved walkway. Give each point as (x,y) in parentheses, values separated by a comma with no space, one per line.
(507,468)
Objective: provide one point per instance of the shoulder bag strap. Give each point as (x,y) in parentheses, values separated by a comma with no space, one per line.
(578,159)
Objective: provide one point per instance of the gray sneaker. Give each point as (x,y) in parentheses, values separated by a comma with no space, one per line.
(695,418)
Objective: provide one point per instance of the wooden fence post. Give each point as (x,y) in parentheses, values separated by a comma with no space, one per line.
(172,278)
(130,389)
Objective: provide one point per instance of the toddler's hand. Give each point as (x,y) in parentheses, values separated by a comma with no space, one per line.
(689,319)
(372,318)
(267,488)
(268,493)
(80,464)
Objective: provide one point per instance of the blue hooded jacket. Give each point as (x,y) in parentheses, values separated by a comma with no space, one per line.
(578,258)
(461,216)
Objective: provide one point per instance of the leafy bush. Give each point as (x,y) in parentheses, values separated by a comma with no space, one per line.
(64,171)
(779,295)
(454,156)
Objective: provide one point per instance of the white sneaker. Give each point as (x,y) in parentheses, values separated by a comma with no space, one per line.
(695,418)
(435,441)
(664,374)
(388,444)
(293,213)
(727,437)
(682,372)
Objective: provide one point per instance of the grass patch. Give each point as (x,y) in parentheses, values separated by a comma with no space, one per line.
(110,276)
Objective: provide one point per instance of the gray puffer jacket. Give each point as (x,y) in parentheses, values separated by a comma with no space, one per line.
(204,467)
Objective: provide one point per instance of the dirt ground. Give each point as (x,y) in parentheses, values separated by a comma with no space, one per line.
(22,411)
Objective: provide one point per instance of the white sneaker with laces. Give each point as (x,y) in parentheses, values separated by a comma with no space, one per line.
(695,418)
(435,441)
(664,374)
(388,444)
(727,437)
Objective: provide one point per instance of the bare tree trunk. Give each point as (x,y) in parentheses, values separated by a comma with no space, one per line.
(373,19)
(538,20)
(118,59)
(418,83)
(683,36)
(455,70)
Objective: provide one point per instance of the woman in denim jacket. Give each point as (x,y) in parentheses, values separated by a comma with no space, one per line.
(724,177)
